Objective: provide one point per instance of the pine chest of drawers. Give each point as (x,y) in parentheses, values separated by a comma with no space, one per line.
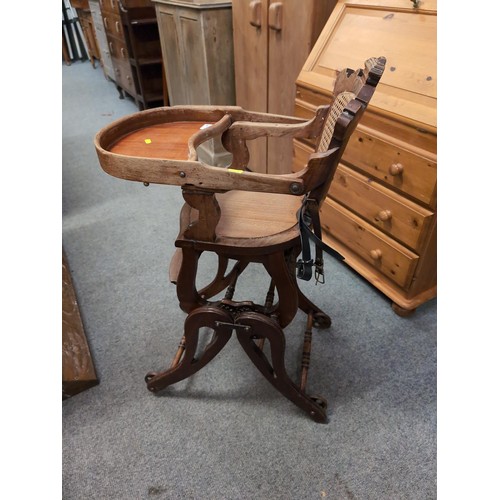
(381,210)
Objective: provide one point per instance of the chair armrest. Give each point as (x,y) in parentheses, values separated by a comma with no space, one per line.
(250,130)
(235,137)
(192,173)
(206,134)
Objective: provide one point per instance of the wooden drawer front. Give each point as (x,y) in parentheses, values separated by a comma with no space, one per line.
(389,257)
(403,170)
(118,50)
(312,98)
(113,25)
(400,218)
(123,74)
(109,6)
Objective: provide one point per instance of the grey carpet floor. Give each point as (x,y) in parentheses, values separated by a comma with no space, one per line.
(225,433)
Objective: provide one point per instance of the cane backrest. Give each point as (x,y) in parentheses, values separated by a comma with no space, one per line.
(347,86)
(352,92)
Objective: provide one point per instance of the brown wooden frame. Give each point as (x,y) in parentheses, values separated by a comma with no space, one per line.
(210,192)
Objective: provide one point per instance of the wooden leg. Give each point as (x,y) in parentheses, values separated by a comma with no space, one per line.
(321,319)
(221,281)
(277,267)
(208,316)
(189,298)
(263,327)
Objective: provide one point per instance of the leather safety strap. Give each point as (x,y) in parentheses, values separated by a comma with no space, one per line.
(310,230)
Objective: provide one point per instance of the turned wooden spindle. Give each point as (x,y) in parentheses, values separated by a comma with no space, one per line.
(179,353)
(306,351)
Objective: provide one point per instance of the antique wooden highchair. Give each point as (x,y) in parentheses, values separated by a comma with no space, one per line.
(244,216)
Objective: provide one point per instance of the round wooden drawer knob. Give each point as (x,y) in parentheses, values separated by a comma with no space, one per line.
(385,215)
(376,254)
(396,169)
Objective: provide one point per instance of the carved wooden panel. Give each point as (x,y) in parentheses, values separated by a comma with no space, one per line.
(78,371)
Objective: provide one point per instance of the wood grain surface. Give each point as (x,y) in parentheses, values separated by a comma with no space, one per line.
(165,140)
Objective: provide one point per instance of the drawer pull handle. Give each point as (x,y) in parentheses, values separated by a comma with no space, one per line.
(396,169)
(122,50)
(117,26)
(385,215)
(106,23)
(376,254)
(256,13)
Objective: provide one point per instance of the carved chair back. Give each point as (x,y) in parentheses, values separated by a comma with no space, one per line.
(351,94)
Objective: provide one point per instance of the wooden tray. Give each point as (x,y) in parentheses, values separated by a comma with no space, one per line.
(165,140)
(159,146)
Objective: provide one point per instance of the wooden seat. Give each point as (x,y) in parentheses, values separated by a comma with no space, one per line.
(249,219)
(241,216)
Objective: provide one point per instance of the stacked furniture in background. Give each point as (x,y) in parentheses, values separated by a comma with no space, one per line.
(134,47)
(102,41)
(380,212)
(87,23)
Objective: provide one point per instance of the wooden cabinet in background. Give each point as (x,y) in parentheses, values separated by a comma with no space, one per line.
(381,211)
(87,24)
(102,41)
(143,43)
(271,43)
(197,46)
(135,50)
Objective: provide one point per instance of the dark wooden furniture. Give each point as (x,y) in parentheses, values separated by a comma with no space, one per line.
(143,43)
(381,210)
(240,215)
(78,373)
(271,43)
(134,45)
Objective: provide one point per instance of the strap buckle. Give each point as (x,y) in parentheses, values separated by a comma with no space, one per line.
(319,273)
(304,269)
